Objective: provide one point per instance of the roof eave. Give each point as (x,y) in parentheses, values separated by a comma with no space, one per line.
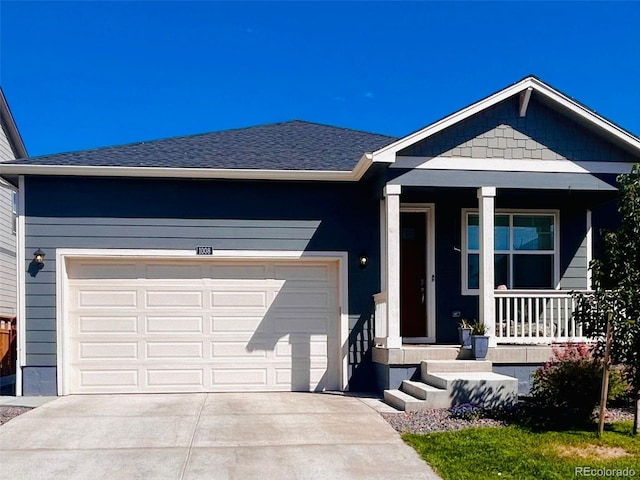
(159,172)
(12,130)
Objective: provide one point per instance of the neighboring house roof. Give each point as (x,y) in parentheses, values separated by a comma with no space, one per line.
(288,146)
(9,124)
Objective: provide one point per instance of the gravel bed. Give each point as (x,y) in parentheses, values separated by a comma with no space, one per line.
(7,413)
(440,420)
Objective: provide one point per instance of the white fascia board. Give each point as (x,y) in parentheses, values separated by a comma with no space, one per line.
(511,165)
(156,172)
(388,154)
(362,166)
(601,122)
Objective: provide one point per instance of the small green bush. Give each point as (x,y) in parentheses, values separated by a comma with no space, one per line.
(568,386)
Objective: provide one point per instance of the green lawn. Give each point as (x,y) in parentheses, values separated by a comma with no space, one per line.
(517,453)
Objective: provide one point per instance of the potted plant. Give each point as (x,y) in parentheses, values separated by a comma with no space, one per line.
(479,340)
(464,333)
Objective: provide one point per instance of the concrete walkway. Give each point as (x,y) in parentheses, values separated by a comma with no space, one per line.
(206,436)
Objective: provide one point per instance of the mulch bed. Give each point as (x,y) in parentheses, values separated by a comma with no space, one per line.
(7,413)
(440,420)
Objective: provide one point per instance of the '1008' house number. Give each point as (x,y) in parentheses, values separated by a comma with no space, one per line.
(204,250)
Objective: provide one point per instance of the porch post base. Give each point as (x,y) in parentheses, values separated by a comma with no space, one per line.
(388,342)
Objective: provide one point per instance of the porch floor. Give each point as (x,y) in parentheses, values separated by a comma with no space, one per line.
(413,354)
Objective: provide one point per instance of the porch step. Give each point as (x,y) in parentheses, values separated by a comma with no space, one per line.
(433,396)
(446,383)
(404,401)
(453,366)
(486,389)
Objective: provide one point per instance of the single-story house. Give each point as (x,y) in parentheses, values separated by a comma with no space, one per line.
(299,256)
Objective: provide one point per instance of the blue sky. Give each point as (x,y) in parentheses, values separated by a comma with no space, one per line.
(86,74)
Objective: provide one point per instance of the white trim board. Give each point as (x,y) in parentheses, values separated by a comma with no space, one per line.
(62,279)
(21,357)
(429,209)
(511,165)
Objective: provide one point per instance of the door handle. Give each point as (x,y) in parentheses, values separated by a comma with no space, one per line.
(422,291)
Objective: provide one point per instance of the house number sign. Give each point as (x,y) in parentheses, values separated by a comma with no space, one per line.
(204,250)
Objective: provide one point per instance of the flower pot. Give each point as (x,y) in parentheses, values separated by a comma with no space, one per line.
(464,335)
(479,346)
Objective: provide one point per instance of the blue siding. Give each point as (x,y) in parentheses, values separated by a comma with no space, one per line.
(182,214)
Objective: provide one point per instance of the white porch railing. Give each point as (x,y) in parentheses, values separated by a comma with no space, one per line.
(380,317)
(535,316)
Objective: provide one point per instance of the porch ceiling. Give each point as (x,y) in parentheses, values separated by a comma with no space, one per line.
(519,180)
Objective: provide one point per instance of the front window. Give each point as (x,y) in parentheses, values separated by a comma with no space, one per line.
(525,251)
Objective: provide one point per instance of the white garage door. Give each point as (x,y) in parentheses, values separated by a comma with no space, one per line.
(162,326)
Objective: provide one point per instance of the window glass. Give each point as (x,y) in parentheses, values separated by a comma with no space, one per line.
(532,271)
(501,272)
(501,232)
(473,229)
(473,271)
(532,232)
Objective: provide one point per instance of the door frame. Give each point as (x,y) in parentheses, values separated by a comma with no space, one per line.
(428,209)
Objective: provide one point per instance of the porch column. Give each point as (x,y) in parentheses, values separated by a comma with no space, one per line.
(486,200)
(392,210)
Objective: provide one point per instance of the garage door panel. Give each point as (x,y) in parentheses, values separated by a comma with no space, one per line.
(233,377)
(174,325)
(101,270)
(173,298)
(239,299)
(107,379)
(162,331)
(110,350)
(110,299)
(188,377)
(108,325)
(235,324)
(173,350)
(235,350)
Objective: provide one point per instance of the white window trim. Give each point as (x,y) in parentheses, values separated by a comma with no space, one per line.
(464,250)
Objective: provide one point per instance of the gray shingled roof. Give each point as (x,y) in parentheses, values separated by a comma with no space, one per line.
(294,145)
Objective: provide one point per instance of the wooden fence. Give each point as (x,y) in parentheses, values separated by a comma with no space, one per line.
(7,345)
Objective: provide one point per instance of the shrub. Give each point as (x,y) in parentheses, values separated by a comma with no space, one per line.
(568,386)
(466,411)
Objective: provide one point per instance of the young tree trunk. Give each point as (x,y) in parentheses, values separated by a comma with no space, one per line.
(636,424)
(605,378)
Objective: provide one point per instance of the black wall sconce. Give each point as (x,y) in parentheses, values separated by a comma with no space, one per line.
(364,260)
(38,258)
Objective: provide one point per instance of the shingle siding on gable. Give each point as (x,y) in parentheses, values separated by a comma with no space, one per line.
(499,132)
(8,292)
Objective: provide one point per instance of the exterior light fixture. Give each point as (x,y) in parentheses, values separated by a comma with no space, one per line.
(38,258)
(364,260)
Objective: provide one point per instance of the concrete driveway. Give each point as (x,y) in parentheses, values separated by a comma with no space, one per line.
(206,436)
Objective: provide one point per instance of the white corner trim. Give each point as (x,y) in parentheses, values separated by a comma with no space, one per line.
(62,281)
(511,165)
(21,357)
